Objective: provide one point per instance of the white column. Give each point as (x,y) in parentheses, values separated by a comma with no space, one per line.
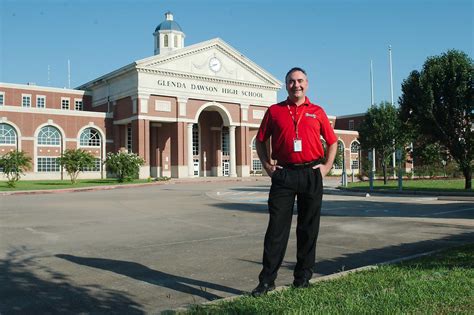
(233,154)
(190,150)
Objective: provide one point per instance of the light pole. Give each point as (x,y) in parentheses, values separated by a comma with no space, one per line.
(344,175)
(371,167)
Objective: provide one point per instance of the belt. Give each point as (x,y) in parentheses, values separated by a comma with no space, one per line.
(300,165)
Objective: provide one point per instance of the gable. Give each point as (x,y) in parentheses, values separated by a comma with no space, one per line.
(195,61)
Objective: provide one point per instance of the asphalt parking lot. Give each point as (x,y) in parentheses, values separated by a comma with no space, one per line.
(155,248)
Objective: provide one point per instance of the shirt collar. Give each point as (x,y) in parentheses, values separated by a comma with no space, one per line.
(291,103)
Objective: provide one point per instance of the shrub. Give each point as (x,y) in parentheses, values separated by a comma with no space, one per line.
(14,164)
(126,166)
(75,161)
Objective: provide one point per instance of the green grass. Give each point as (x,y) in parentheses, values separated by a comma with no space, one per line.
(62,184)
(419,184)
(439,284)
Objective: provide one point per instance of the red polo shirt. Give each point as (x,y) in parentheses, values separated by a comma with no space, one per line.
(279,123)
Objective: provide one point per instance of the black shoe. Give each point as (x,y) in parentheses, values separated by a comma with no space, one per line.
(263,288)
(301,283)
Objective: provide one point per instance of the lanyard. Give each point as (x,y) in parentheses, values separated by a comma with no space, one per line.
(296,122)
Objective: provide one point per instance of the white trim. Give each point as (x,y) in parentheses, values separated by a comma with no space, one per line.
(50,111)
(346,132)
(42,88)
(250,125)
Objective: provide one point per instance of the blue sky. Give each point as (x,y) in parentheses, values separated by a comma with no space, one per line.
(333,40)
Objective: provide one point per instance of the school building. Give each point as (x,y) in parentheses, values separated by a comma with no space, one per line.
(187,111)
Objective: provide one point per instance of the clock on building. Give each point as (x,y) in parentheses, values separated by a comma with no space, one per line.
(215,64)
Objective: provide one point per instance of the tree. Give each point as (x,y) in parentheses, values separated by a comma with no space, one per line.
(14,164)
(125,165)
(75,161)
(438,104)
(381,129)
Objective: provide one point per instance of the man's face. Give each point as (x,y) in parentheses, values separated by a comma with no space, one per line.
(296,85)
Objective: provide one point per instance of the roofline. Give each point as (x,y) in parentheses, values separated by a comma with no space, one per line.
(352,115)
(109,76)
(43,88)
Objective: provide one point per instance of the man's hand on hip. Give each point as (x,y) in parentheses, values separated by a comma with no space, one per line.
(270,168)
(324,168)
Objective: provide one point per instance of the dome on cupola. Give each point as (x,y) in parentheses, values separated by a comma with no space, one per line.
(168,36)
(169,24)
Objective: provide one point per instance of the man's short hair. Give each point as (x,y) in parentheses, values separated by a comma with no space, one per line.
(294,69)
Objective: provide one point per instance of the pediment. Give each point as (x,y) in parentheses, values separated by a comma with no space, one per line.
(195,61)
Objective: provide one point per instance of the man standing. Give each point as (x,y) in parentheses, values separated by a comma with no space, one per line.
(295,127)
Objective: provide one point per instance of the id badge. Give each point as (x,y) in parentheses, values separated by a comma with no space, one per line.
(297,145)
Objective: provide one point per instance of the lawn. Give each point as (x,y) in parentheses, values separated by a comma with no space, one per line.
(62,184)
(439,284)
(418,184)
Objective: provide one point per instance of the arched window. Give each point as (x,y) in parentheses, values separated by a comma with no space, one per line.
(49,135)
(176,41)
(166,41)
(7,134)
(254,144)
(340,146)
(90,137)
(355,147)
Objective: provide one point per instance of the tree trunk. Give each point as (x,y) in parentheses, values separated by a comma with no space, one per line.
(468,176)
(385,173)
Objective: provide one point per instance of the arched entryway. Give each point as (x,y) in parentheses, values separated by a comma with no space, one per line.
(213,142)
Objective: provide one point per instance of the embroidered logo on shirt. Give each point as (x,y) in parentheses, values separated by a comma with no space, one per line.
(310,115)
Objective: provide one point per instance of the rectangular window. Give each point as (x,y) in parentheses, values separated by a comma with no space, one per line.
(2,98)
(355,164)
(129,138)
(256,165)
(40,101)
(48,164)
(195,139)
(351,124)
(95,168)
(26,100)
(78,104)
(64,103)
(225,141)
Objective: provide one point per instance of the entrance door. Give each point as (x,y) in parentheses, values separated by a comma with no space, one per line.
(225,168)
(196,167)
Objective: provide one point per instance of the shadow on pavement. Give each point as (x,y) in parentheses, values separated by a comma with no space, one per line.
(362,208)
(379,255)
(145,274)
(24,292)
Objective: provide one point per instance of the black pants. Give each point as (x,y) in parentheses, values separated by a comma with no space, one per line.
(306,183)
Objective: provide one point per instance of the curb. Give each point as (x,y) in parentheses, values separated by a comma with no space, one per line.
(313,281)
(110,187)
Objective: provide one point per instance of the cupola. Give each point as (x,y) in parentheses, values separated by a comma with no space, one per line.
(168,36)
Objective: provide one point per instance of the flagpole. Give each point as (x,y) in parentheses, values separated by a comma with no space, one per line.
(371,84)
(391,97)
